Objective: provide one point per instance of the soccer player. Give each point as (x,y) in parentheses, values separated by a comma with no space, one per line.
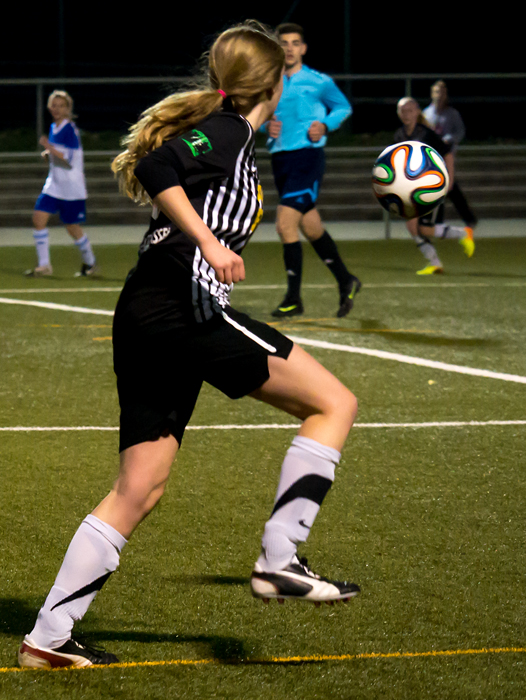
(311,106)
(64,191)
(414,128)
(193,156)
(447,123)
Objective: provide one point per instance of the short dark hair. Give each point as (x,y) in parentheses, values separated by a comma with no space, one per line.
(290,28)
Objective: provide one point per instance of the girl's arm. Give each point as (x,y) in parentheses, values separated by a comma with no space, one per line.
(228,266)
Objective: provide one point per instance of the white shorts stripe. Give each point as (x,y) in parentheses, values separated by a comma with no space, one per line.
(248,333)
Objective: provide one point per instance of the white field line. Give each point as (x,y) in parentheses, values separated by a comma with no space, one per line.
(408,359)
(59,307)
(271,426)
(57,290)
(381,354)
(252,287)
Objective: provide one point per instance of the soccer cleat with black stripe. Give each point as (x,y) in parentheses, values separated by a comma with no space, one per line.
(72,653)
(347,294)
(88,271)
(296,581)
(288,307)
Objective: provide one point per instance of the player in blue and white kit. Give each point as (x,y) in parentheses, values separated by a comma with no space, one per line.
(64,191)
(311,106)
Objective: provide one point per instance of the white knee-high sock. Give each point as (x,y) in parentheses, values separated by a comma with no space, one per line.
(447,231)
(41,239)
(428,250)
(84,245)
(92,556)
(307,474)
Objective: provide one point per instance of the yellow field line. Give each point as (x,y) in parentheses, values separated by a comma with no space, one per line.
(316,658)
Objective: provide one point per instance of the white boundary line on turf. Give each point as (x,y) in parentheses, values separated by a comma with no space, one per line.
(59,307)
(254,287)
(408,359)
(271,426)
(381,354)
(56,290)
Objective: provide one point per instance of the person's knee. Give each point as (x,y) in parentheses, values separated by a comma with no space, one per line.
(287,224)
(39,220)
(346,405)
(140,495)
(339,404)
(312,225)
(287,231)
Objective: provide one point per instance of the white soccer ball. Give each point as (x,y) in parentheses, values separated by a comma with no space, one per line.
(410,179)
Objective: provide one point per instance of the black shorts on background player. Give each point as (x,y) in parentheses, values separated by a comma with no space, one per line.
(298,176)
(424,134)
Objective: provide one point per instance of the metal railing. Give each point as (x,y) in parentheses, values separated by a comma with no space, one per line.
(352,84)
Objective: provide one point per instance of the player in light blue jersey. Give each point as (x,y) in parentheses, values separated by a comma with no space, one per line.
(64,191)
(311,106)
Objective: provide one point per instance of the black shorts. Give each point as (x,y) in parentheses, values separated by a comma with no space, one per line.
(298,175)
(433,217)
(159,375)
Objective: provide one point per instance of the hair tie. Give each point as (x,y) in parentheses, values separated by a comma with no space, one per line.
(222,93)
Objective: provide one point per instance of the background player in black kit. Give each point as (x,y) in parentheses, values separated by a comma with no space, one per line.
(193,155)
(414,128)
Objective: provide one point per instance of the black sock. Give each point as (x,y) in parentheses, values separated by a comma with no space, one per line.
(326,249)
(293,258)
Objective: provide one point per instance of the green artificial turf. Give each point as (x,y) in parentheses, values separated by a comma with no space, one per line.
(428,520)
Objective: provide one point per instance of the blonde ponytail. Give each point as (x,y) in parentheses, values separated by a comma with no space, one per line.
(245,63)
(166,120)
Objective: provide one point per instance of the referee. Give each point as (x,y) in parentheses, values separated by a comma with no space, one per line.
(311,106)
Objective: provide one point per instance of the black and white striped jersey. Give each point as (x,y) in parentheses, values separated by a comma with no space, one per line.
(215,164)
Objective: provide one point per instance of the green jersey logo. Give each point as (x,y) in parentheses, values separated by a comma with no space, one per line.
(197,142)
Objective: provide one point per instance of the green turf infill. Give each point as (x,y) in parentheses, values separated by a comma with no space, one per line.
(273,426)
(315,658)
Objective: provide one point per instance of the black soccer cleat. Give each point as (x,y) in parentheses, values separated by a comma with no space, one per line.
(72,653)
(296,581)
(288,307)
(347,294)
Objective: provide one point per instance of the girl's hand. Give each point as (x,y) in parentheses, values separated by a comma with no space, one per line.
(228,266)
(44,141)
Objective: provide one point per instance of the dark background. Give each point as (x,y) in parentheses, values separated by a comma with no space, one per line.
(61,39)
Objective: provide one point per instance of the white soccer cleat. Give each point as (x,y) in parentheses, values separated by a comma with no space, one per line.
(72,653)
(42,271)
(296,581)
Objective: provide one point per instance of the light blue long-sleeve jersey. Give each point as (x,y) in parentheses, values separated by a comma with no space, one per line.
(308,96)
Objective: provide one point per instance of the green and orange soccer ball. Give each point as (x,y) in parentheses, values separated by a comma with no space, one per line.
(410,179)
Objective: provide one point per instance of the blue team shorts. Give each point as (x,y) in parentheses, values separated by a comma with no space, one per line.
(70,211)
(298,175)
